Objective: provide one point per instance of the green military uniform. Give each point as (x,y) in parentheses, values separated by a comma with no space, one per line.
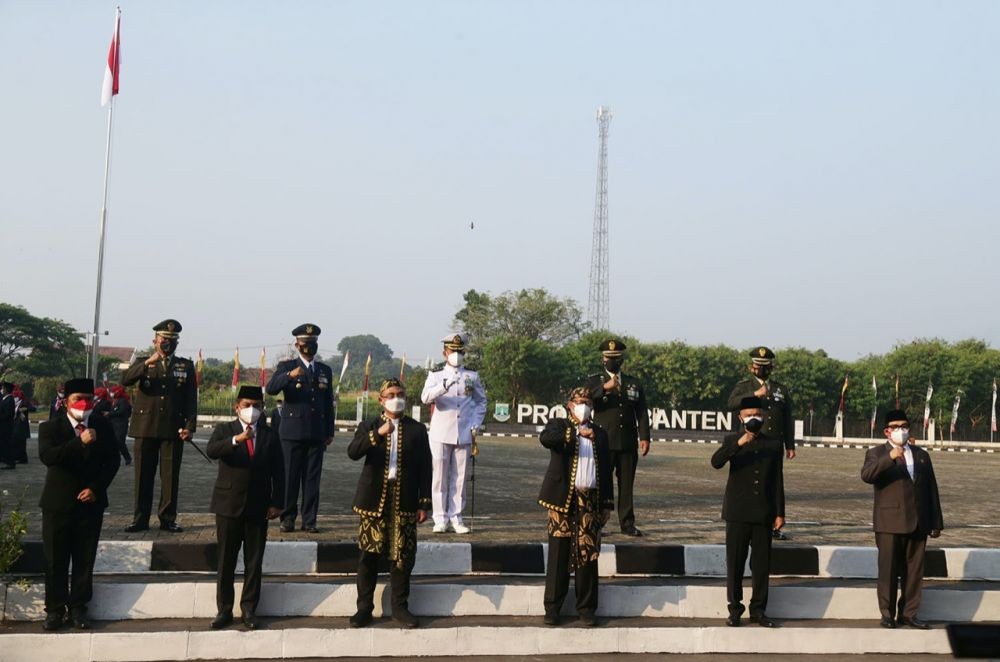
(622,412)
(166,400)
(777,403)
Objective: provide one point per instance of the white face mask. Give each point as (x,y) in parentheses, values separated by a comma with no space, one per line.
(455,359)
(900,436)
(249,415)
(582,412)
(395,405)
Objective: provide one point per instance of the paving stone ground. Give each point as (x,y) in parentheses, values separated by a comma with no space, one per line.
(678,496)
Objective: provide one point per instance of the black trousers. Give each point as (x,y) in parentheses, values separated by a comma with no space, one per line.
(232,533)
(900,564)
(123,446)
(70,537)
(557,579)
(149,451)
(740,538)
(303,468)
(399,581)
(7,454)
(624,463)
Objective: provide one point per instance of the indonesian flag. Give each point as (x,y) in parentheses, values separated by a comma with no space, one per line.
(993,408)
(236,369)
(954,411)
(263,367)
(198,368)
(927,404)
(402,365)
(110,86)
(368,368)
(843,390)
(875,408)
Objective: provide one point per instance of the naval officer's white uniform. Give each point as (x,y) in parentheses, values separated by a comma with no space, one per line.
(459,401)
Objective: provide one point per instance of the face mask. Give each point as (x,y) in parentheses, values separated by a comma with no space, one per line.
(395,405)
(900,436)
(455,359)
(309,348)
(249,415)
(167,346)
(80,409)
(613,365)
(753,423)
(582,412)
(763,373)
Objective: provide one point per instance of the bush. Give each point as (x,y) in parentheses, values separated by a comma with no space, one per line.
(13,526)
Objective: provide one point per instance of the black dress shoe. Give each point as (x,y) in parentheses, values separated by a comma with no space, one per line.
(53,622)
(79,620)
(222,620)
(763,621)
(135,527)
(551,619)
(915,623)
(287,526)
(403,616)
(631,531)
(250,621)
(590,620)
(733,621)
(887,623)
(172,527)
(360,619)
(310,529)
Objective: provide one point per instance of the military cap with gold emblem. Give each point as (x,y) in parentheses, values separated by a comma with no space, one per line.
(612,347)
(761,356)
(306,331)
(168,328)
(456,341)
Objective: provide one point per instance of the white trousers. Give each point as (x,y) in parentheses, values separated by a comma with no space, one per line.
(448,481)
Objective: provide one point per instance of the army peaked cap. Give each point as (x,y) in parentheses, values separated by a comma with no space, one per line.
(307,330)
(456,341)
(612,347)
(762,356)
(168,328)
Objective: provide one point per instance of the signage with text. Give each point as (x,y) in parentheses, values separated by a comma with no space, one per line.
(660,419)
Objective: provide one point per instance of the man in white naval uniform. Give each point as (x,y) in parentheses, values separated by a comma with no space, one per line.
(459,401)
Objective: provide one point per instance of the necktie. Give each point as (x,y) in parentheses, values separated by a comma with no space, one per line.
(250,441)
(80,427)
(312,371)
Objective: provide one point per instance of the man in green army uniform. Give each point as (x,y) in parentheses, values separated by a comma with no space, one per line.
(164,414)
(620,409)
(775,398)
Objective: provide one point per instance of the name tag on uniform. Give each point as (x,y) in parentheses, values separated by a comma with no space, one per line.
(323,382)
(632,393)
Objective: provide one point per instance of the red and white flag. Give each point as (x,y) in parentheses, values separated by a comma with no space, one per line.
(110,86)
(993,409)
(236,369)
(263,368)
(927,404)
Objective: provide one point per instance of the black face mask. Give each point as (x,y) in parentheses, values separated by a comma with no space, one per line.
(613,365)
(309,348)
(167,347)
(763,373)
(753,425)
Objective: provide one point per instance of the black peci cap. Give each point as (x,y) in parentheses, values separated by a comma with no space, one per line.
(79,385)
(751,402)
(248,392)
(895,416)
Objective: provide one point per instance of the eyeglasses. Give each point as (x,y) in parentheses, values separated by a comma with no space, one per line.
(898,427)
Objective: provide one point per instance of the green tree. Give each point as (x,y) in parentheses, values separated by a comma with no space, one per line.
(531,314)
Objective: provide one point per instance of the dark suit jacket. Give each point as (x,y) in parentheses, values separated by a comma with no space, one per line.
(413,467)
(622,413)
(560,437)
(778,421)
(903,505)
(245,486)
(73,466)
(6,418)
(755,491)
(166,399)
(308,410)
(275,422)
(121,412)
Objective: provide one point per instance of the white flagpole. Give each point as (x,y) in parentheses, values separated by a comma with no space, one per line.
(100,250)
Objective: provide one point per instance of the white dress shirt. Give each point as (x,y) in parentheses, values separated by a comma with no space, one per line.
(393,448)
(245,426)
(586,468)
(459,404)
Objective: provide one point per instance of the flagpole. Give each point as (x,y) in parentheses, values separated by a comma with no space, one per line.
(100,251)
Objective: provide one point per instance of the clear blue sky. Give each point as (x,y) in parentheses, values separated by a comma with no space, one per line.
(820,174)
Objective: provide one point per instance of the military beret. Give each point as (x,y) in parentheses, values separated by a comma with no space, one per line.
(307,330)
(168,328)
(456,341)
(79,385)
(895,416)
(389,383)
(612,347)
(762,355)
(248,392)
(751,402)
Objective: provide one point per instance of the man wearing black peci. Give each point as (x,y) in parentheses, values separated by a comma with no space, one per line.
(907,510)
(754,505)
(164,416)
(80,452)
(249,491)
(306,386)
(393,496)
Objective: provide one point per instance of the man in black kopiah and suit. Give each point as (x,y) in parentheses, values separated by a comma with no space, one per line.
(164,416)
(249,491)
(80,452)
(754,505)
(7,426)
(306,385)
(907,510)
(620,409)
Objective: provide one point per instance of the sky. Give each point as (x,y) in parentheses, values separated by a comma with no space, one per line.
(818,174)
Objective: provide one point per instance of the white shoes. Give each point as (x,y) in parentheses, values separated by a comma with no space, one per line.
(441,528)
(460,527)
